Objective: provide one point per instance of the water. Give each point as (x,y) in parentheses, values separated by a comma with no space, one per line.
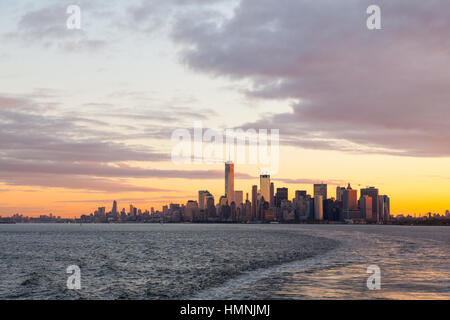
(184,261)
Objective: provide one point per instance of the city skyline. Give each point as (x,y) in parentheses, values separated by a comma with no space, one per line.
(265,185)
(369,207)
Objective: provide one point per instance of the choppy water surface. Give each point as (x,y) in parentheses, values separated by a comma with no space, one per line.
(179,261)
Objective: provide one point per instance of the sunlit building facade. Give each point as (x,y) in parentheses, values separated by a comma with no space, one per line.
(264,184)
(318,207)
(373,193)
(229,181)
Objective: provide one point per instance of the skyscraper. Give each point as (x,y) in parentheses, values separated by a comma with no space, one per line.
(384,208)
(272,191)
(202,198)
(301,202)
(340,193)
(264,184)
(254,200)
(210,208)
(238,197)
(318,207)
(191,211)
(350,202)
(114,208)
(282,194)
(365,205)
(102,211)
(300,194)
(320,190)
(229,181)
(373,193)
(387,208)
(380,208)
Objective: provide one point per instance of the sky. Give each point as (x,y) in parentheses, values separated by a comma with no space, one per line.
(87,116)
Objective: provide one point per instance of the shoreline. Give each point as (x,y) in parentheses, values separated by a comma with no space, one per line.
(444,223)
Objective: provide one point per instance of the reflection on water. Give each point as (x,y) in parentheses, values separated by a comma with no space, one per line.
(413,263)
(224,261)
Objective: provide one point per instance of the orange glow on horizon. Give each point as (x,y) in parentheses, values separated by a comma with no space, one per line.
(410,193)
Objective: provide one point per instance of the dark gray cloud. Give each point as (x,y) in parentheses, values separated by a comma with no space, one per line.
(32,136)
(38,148)
(153,15)
(355,90)
(41,147)
(68,181)
(94,177)
(109,171)
(169,114)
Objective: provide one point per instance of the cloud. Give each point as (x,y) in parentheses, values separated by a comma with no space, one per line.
(73,182)
(105,170)
(39,147)
(43,147)
(9,102)
(32,136)
(153,15)
(355,90)
(94,176)
(170,114)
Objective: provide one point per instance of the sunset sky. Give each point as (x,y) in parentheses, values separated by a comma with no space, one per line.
(86,116)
